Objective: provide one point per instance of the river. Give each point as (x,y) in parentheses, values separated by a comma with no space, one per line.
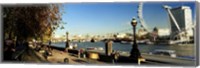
(181,50)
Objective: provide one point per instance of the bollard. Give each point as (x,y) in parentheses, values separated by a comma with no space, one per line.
(108,47)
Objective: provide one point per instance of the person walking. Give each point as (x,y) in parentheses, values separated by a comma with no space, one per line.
(9,49)
(114,56)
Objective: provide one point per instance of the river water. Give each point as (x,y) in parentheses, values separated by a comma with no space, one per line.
(181,50)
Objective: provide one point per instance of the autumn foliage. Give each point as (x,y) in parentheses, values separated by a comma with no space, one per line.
(31,21)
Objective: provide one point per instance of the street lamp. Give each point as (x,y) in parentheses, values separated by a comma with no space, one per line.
(67,40)
(135,53)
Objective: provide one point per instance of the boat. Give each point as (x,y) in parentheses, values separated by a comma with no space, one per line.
(179,42)
(143,42)
(95,48)
(148,42)
(100,48)
(124,42)
(91,48)
(170,53)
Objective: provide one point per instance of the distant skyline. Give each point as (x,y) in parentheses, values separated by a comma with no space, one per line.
(104,18)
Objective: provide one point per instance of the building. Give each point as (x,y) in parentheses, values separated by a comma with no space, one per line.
(183,17)
(163,32)
(121,35)
(155,33)
(142,32)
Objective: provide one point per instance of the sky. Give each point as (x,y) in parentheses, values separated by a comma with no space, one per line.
(104,18)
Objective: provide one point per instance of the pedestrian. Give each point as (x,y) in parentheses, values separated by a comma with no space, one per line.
(114,56)
(26,45)
(49,42)
(9,49)
(80,53)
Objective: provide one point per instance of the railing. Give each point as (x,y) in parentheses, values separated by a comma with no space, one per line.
(158,59)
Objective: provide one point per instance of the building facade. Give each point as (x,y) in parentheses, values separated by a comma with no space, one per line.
(183,17)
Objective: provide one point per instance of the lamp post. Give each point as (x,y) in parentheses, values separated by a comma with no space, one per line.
(67,40)
(135,53)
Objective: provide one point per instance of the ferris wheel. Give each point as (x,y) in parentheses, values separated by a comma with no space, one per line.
(140,16)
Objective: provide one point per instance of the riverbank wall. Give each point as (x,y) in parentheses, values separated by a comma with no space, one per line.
(126,59)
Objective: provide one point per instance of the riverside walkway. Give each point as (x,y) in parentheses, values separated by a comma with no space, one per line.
(58,56)
(33,56)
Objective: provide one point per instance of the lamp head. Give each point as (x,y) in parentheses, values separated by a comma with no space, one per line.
(133,22)
(67,33)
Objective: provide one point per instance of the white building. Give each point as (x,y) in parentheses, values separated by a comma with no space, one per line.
(183,17)
(121,35)
(142,32)
(163,32)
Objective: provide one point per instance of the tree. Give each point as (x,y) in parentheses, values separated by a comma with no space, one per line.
(24,22)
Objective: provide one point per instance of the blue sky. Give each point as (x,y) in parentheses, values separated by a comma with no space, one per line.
(103,18)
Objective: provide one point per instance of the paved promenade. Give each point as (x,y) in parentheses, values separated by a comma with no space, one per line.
(33,56)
